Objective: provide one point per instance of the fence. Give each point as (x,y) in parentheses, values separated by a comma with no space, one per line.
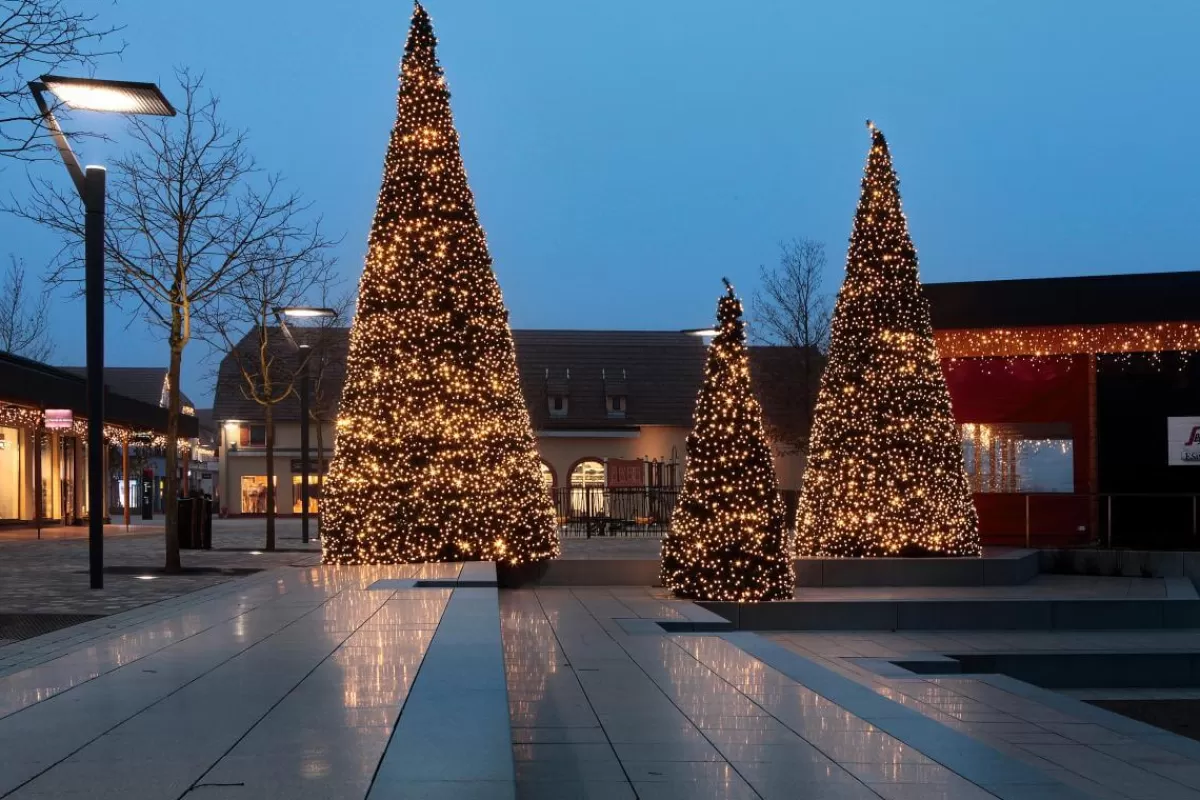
(1129,520)
(587,511)
(1139,520)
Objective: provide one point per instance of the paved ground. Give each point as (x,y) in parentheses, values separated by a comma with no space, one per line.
(295,683)
(50,576)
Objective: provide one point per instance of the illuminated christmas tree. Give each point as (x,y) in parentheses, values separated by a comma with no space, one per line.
(885,473)
(727,539)
(435,456)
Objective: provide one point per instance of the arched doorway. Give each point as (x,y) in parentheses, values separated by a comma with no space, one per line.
(587,488)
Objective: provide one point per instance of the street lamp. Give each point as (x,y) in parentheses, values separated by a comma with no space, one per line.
(122,97)
(301,312)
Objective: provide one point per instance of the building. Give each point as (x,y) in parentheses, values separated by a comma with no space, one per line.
(43,438)
(611,409)
(151,386)
(1078,401)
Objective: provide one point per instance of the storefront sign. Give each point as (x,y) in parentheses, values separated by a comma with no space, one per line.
(625,474)
(298,465)
(1183,441)
(59,419)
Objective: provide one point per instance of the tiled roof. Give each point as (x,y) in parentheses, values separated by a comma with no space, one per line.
(141,383)
(659,371)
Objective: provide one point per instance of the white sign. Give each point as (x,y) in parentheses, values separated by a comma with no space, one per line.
(59,419)
(1183,441)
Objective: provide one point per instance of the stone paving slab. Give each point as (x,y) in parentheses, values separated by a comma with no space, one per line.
(1094,750)
(50,576)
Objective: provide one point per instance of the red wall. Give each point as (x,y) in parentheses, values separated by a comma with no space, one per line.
(1012,390)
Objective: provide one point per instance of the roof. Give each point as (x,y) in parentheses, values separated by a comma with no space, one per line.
(659,371)
(32,383)
(140,383)
(1093,300)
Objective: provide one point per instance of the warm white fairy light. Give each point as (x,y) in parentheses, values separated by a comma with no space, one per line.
(885,474)
(727,539)
(435,457)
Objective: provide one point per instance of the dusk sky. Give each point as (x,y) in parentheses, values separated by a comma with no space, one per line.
(626,155)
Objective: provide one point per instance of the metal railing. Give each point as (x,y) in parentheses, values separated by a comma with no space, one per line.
(1145,520)
(646,512)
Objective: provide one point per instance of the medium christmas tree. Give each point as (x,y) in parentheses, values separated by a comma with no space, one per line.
(435,456)
(885,472)
(727,539)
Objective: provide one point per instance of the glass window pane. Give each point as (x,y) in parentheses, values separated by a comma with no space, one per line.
(1020,457)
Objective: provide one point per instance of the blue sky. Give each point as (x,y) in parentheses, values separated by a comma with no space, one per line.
(626,155)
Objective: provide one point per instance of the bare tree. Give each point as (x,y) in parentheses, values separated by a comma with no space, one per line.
(792,311)
(24,319)
(242,323)
(189,216)
(39,37)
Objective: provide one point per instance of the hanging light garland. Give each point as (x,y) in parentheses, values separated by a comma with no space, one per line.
(1065,340)
(435,456)
(885,474)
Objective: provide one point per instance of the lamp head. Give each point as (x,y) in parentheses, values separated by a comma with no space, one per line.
(121,97)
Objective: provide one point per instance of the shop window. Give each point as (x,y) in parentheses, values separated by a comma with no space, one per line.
(252,436)
(254,494)
(314,492)
(1027,458)
(10,473)
(587,488)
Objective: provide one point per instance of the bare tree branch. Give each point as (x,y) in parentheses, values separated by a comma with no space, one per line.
(791,310)
(39,37)
(24,320)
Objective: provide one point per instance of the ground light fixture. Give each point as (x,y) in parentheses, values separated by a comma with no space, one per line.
(302,312)
(122,97)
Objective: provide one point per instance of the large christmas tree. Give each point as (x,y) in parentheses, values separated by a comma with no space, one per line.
(727,539)
(885,472)
(435,456)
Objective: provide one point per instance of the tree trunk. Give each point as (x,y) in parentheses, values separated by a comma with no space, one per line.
(270,418)
(320,472)
(171,501)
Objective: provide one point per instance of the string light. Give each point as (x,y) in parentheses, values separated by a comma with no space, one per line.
(1065,340)
(727,539)
(19,416)
(434,457)
(885,475)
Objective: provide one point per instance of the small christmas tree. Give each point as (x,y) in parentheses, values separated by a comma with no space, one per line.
(727,539)
(885,472)
(435,456)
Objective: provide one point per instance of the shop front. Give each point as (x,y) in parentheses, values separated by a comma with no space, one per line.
(43,440)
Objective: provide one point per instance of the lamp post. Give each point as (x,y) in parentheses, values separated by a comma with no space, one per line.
(122,97)
(297,312)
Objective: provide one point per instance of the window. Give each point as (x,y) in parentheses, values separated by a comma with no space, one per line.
(10,473)
(616,405)
(558,405)
(587,488)
(547,475)
(314,492)
(1022,457)
(252,436)
(254,494)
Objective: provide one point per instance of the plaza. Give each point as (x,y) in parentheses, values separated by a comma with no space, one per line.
(426,681)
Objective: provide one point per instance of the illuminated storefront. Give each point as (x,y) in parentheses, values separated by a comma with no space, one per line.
(1064,388)
(43,452)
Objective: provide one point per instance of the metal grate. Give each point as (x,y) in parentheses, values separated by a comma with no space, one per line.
(26,626)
